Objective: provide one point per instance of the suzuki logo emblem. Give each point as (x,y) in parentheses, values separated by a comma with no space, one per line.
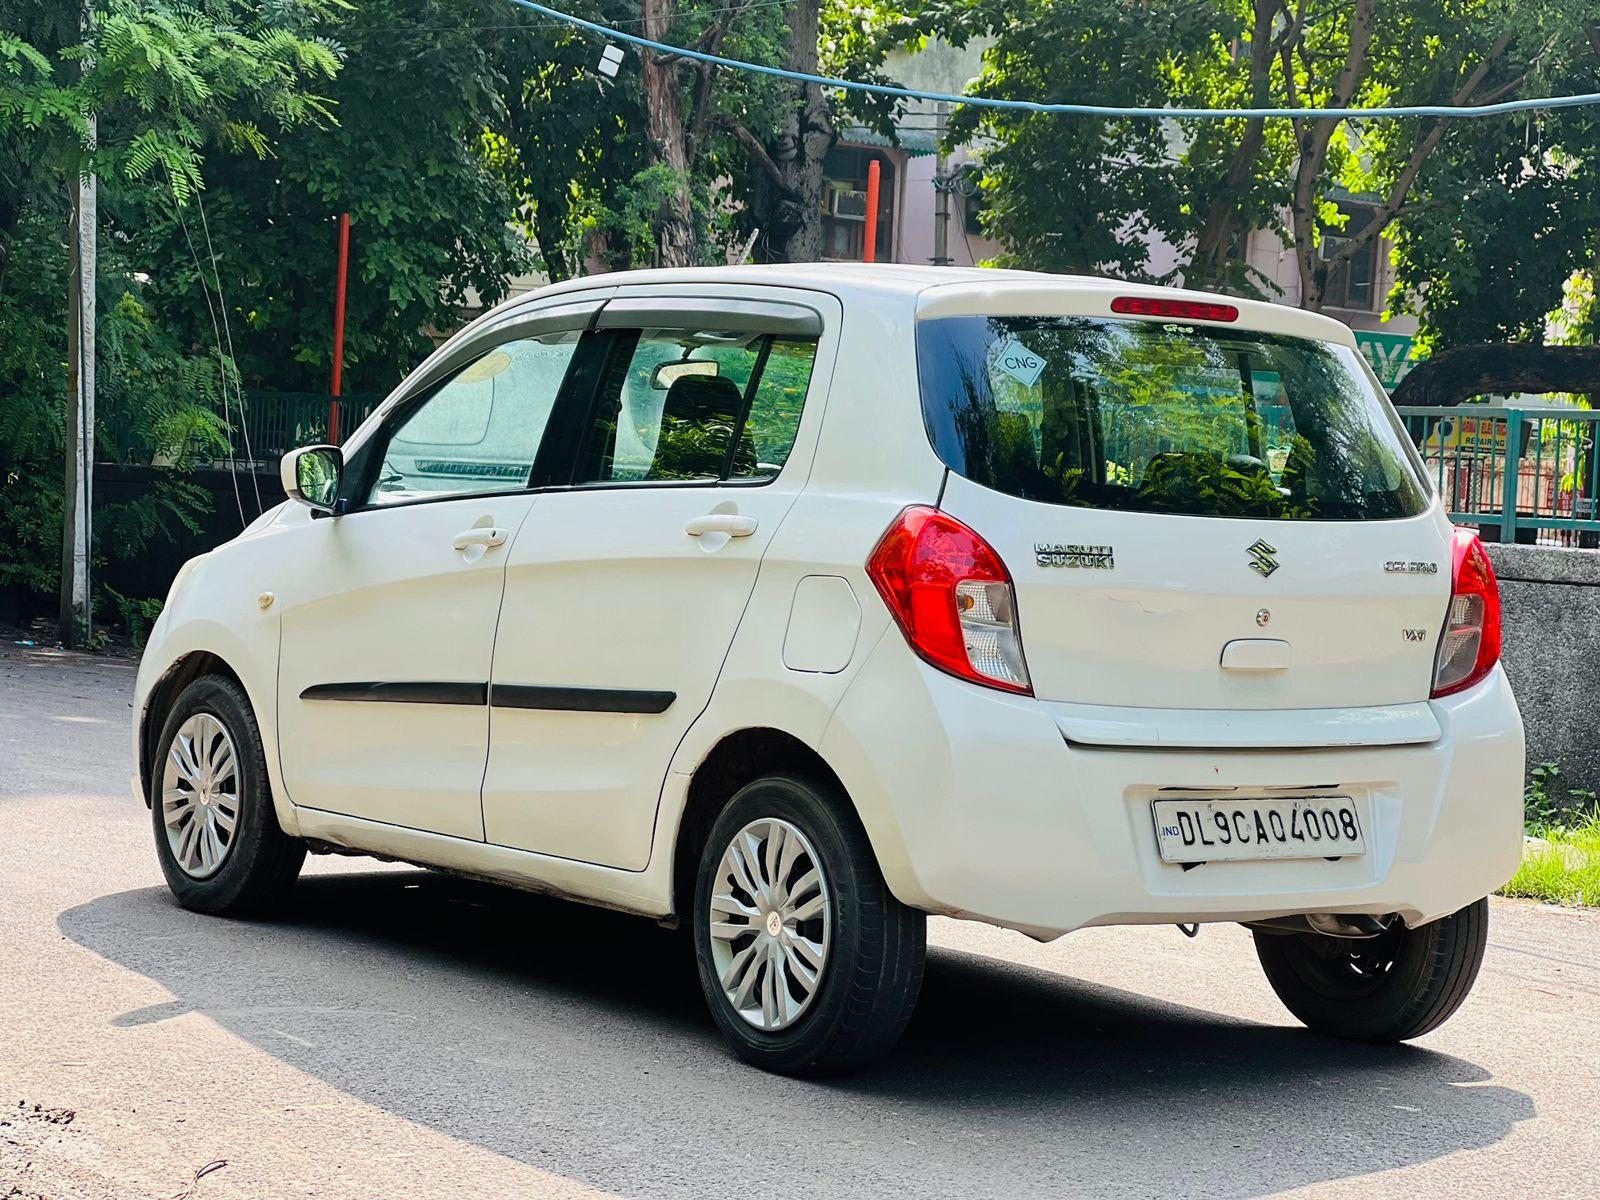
(1261,560)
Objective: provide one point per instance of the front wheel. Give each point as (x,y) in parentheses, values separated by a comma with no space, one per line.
(1390,988)
(217,836)
(809,963)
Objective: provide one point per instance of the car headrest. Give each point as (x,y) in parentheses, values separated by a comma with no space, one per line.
(697,419)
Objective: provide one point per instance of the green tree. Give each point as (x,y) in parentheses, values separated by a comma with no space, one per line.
(569,136)
(700,124)
(407,158)
(1087,194)
(168,82)
(1502,221)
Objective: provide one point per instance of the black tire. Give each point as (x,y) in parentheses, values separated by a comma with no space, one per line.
(261,862)
(1392,988)
(872,972)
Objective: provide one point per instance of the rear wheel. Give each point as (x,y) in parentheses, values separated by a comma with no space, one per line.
(217,836)
(809,963)
(1390,988)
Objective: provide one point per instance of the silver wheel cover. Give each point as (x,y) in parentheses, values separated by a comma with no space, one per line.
(770,921)
(200,795)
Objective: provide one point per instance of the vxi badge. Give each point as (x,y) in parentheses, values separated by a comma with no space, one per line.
(1261,560)
(1055,554)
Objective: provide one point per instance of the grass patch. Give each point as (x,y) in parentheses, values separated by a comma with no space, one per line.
(1562,869)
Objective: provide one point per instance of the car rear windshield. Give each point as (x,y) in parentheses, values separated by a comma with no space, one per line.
(1145,416)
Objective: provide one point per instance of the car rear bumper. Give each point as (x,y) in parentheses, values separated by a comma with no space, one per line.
(979,807)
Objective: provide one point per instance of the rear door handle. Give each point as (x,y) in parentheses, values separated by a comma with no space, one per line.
(487,536)
(731,524)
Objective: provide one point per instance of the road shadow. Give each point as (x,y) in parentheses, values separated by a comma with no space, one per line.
(576,1040)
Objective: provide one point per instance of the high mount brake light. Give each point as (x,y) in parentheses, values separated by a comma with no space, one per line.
(1469,647)
(952,598)
(1177,310)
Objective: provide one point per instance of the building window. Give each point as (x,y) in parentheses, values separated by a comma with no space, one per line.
(844,204)
(1353,283)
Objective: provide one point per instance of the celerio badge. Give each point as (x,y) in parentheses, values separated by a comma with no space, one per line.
(1261,560)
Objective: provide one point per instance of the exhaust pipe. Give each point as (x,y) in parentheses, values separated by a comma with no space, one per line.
(1340,925)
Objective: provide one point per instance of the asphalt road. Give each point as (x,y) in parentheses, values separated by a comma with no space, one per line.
(400,1033)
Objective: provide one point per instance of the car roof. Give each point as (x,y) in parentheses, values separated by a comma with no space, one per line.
(951,291)
(905,278)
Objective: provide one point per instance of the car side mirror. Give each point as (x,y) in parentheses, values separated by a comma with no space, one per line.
(311,475)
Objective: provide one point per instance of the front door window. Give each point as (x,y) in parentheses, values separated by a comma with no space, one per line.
(480,431)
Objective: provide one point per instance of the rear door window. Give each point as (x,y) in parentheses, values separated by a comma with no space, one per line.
(684,406)
(1159,417)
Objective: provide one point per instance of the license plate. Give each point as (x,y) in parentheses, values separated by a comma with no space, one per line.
(1194,831)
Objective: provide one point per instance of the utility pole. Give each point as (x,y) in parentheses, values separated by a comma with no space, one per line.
(77,524)
(941,190)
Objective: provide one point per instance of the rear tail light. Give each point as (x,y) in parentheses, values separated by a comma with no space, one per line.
(952,597)
(1177,310)
(1470,644)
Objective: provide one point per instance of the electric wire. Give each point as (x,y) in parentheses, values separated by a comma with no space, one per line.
(227,329)
(222,366)
(1085,110)
(524,26)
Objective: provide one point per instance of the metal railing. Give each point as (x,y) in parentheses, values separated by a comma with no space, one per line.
(273,423)
(279,421)
(1520,474)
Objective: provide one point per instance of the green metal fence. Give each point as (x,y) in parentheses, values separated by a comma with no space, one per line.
(1518,473)
(277,422)
(271,424)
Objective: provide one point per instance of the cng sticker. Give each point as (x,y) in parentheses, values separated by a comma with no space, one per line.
(1022,364)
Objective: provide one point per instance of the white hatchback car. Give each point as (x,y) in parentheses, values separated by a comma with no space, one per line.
(794,604)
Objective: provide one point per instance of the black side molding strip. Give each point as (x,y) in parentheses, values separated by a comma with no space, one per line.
(505,695)
(580,699)
(401,693)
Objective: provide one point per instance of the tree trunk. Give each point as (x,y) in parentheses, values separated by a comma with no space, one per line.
(1400,190)
(677,240)
(788,198)
(1312,138)
(1503,367)
(548,231)
(1215,246)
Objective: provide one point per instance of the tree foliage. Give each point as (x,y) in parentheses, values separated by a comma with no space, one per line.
(1464,199)
(1506,224)
(669,129)
(405,157)
(569,136)
(166,83)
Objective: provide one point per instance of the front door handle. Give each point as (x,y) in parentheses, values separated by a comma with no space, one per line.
(487,536)
(731,524)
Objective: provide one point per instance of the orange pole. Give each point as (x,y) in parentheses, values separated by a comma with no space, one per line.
(869,252)
(338,325)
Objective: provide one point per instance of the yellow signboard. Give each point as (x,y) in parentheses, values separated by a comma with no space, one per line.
(1467,435)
